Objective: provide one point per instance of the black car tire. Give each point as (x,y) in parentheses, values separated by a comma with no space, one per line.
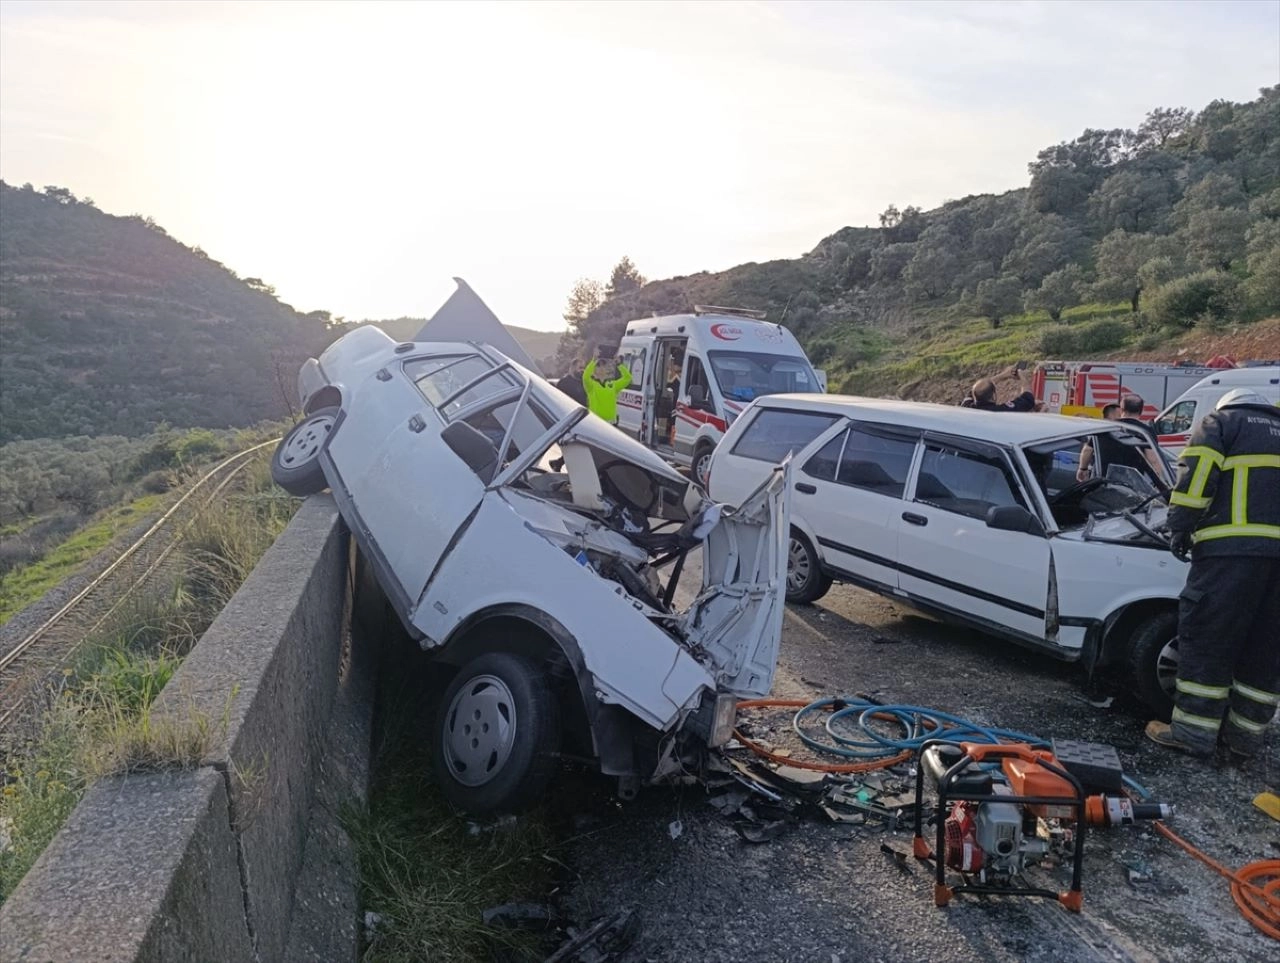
(509,771)
(701,462)
(1153,657)
(815,583)
(295,465)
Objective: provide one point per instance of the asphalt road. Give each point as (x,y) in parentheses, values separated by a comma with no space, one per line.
(825,892)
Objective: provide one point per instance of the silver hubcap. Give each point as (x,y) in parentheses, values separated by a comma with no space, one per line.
(479,730)
(701,465)
(305,443)
(1167,666)
(797,566)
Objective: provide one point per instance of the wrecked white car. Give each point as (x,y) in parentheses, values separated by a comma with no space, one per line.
(538,549)
(1041,529)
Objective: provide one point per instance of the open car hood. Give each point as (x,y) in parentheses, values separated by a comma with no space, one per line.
(736,620)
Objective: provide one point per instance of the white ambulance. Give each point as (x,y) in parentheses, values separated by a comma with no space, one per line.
(1175,424)
(692,374)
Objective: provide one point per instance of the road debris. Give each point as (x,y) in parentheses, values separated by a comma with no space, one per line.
(600,942)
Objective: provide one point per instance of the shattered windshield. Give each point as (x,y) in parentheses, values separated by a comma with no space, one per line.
(1103,473)
(744,375)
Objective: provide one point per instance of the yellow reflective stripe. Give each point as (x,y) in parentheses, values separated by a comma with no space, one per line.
(1188,501)
(1203,691)
(1257,695)
(1203,452)
(1236,531)
(1251,461)
(1199,722)
(1208,458)
(1240,497)
(1248,725)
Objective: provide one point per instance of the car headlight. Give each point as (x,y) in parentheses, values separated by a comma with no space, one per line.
(723,719)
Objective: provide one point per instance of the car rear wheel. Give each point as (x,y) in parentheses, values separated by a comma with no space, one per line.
(497,735)
(295,466)
(806,582)
(1153,657)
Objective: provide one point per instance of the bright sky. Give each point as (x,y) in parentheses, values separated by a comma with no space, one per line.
(359,155)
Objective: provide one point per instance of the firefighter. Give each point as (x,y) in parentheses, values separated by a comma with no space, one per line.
(602,397)
(1225,515)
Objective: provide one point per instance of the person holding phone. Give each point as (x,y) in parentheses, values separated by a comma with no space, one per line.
(602,396)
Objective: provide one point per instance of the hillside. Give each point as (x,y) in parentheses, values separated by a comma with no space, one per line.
(110,326)
(1123,239)
(539,344)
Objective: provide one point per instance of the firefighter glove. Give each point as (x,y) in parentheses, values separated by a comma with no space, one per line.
(1180,545)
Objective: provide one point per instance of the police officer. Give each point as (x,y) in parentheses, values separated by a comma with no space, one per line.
(1225,514)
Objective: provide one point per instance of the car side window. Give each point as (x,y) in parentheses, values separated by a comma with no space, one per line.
(876,463)
(823,463)
(496,382)
(438,378)
(964,482)
(775,433)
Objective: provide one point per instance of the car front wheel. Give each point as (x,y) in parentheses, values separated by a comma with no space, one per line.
(497,735)
(1153,657)
(806,582)
(295,466)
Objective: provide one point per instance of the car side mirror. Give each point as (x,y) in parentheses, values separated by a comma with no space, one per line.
(475,450)
(1013,518)
(698,395)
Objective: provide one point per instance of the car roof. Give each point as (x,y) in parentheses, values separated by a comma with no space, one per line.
(997,427)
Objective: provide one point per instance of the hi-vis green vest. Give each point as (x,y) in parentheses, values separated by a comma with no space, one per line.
(602,399)
(1228,489)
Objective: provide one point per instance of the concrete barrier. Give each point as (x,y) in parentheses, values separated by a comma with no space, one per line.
(204,864)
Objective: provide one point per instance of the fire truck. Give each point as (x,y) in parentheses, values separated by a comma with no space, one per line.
(1085,387)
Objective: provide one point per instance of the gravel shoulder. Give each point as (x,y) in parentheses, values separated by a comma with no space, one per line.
(825,891)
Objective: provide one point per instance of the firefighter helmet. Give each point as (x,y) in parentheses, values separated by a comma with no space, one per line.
(1241,396)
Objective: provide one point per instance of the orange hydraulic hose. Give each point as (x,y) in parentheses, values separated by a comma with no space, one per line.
(1259,904)
(833,767)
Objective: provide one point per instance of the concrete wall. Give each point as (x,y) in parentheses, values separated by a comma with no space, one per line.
(203,864)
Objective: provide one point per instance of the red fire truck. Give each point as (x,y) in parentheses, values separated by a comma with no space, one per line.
(1084,387)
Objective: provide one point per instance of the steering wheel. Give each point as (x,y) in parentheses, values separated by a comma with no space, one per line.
(1077,490)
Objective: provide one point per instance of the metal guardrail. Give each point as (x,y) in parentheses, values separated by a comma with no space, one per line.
(52,644)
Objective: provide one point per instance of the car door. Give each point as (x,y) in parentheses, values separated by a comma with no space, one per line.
(409,491)
(696,406)
(849,496)
(948,556)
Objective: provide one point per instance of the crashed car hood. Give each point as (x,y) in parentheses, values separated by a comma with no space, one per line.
(736,620)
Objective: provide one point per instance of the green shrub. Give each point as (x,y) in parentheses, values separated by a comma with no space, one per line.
(1106,334)
(1204,296)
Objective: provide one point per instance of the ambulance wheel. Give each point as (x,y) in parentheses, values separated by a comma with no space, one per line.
(1153,657)
(702,462)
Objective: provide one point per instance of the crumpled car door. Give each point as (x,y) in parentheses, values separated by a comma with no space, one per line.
(737,617)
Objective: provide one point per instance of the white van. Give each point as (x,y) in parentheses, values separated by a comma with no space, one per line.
(1175,424)
(692,374)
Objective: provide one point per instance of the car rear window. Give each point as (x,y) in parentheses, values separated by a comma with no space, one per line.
(776,433)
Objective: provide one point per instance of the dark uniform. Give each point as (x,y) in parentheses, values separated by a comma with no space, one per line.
(1226,508)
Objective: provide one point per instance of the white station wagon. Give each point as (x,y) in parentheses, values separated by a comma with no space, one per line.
(978,517)
(551,591)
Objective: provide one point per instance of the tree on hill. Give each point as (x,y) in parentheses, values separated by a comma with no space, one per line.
(624,279)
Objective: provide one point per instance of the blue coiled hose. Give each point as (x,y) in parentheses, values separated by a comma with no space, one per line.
(917,724)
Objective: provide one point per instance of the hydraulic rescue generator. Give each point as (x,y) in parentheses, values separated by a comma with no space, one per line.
(1003,808)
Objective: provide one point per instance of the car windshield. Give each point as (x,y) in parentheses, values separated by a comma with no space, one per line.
(744,375)
(1117,477)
